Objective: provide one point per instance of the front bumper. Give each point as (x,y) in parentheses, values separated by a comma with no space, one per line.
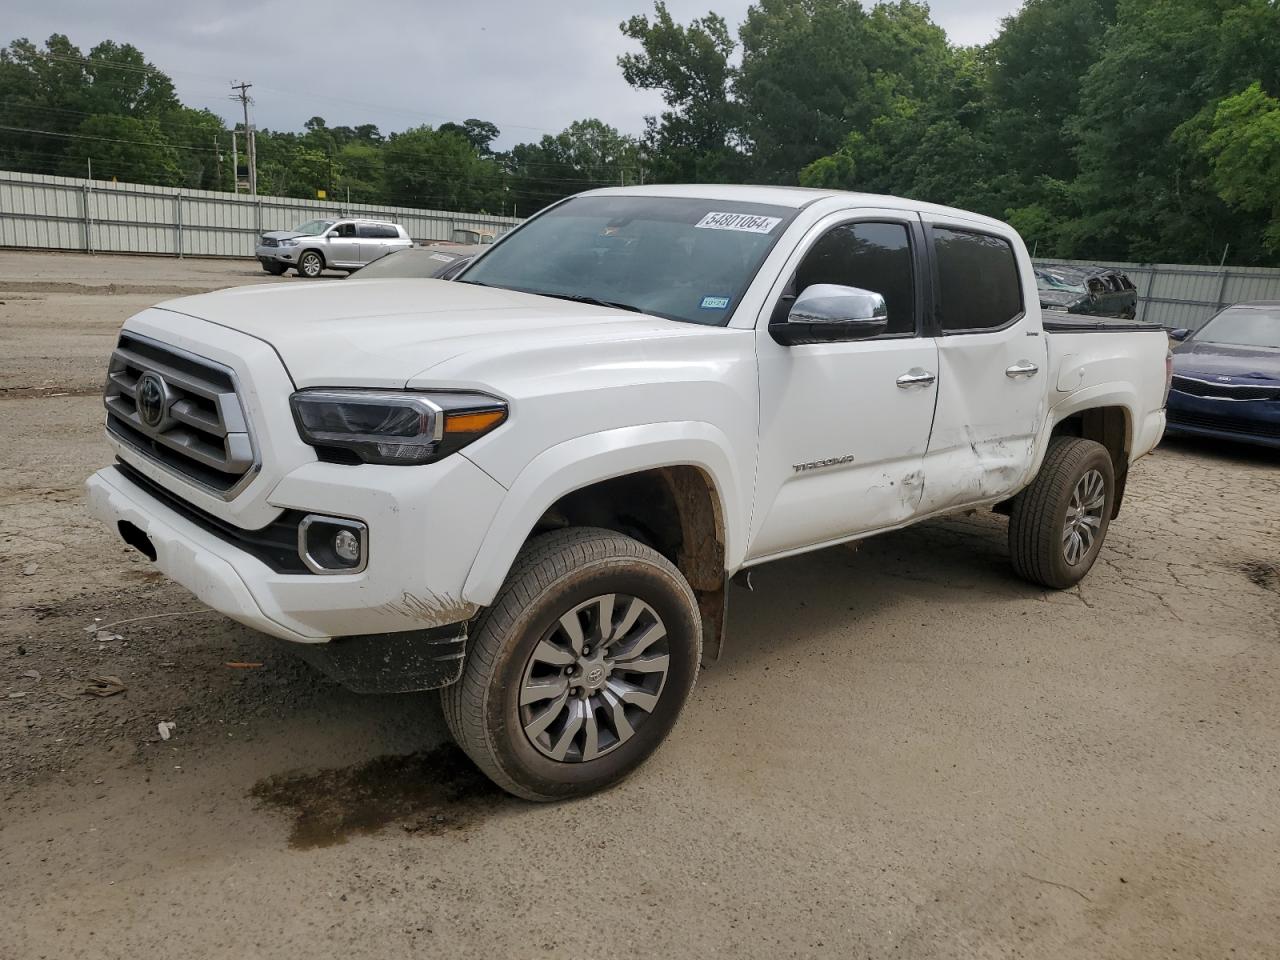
(425,526)
(1244,421)
(287,255)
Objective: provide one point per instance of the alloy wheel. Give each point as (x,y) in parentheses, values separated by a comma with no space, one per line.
(594,678)
(1084,516)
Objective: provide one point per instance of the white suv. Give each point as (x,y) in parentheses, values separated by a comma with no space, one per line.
(320,245)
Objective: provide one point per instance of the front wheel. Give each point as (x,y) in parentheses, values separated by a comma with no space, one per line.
(580,668)
(310,264)
(1057,524)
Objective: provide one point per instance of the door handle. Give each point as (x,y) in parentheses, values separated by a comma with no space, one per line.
(1022,370)
(916,377)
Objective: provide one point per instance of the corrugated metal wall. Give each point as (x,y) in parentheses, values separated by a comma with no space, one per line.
(64,213)
(1179,295)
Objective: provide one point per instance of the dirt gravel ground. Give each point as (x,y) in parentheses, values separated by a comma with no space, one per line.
(905,752)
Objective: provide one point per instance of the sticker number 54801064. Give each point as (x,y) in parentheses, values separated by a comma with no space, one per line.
(746,222)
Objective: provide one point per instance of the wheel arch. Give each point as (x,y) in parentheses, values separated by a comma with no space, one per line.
(1110,424)
(667,485)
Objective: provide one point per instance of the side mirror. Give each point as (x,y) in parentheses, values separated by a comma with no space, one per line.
(831,313)
(1179,333)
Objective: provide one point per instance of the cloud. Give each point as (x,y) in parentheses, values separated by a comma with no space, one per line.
(530,66)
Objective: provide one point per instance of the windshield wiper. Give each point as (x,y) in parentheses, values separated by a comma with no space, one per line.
(582,298)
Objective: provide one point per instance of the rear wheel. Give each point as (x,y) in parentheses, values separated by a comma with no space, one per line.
(580,668)
(1057,524)
(310,264)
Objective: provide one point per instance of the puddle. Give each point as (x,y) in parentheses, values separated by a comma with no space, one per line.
(431,792)
(1265,575)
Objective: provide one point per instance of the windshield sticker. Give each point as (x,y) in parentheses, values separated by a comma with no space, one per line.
(442,257)
(714,303)
(745,222)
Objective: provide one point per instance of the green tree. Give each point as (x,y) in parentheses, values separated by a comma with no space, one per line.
(696,138)
(124,148)
(1243,148)
(1038,62)
(814,70)
(438,170)
(587,154)
(199,139)
(479,133)
(1144,190)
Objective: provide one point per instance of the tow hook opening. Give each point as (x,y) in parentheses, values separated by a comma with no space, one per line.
(134,536)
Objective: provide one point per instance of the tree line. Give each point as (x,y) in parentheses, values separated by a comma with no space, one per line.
(64,111)
(1102,129)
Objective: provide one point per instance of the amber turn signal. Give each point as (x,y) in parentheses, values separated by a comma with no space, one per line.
(477,422)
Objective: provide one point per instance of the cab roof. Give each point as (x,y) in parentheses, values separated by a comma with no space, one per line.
(795,197)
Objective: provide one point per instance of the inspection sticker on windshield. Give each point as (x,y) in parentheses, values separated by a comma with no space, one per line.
(714,303)
(442,256)
(745,222)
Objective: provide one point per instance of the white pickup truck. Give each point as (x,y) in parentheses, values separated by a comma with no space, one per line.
(530,486)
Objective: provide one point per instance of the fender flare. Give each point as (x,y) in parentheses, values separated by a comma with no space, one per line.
(582,461)
(1113,394)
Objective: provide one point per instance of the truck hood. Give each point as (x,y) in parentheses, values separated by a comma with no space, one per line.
(281,234)
(385,332)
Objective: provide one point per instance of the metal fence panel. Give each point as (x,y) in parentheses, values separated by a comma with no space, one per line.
(66,213)
(1187,295)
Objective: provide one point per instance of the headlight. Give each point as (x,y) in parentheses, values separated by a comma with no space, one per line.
(395,427)
(288,243)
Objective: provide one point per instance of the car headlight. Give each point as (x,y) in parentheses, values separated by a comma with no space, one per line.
(288,243)
(393,427)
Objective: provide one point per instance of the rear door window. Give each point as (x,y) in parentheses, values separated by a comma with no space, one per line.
(979,287)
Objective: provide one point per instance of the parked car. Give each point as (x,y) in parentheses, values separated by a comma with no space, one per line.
(1092,290)
(319,245)
(439,261)
(531,486)
(1226,376)
(470,237)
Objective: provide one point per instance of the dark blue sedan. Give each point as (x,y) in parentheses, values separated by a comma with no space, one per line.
(1226,376)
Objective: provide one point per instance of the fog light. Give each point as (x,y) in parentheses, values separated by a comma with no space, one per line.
(333,544)
(347,546)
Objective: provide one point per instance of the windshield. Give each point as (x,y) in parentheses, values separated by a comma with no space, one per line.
(313,228)
(1058,281)
(680,258)
(1243,327)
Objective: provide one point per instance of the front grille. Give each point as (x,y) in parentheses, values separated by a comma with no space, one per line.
(1226,391)
(181,411)
(1245,428)
(270,242)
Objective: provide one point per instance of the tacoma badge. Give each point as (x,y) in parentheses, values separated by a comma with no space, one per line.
(820,464)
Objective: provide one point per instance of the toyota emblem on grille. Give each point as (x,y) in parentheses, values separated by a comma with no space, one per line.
(153,399)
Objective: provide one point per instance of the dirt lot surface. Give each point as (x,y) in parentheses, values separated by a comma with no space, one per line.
(905,751)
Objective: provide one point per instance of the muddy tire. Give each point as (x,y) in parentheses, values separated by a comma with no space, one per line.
(310,264)
(579,669)
(1057,525)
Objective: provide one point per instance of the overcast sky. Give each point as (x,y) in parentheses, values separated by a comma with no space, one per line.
(530,66)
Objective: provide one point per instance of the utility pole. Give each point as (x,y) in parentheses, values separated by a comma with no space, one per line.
(235,163)
(251,154)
